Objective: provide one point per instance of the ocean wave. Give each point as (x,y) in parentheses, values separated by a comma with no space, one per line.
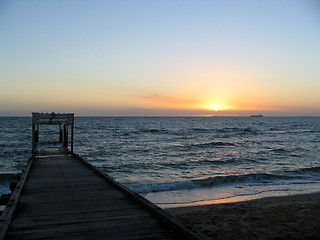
(249,130)
(280,150)
(213,144)
(238,130)
(175,164)
(153,131)
(228,160)
(312,169)
(308,170)
(262,178)
(3,145)
(203,130)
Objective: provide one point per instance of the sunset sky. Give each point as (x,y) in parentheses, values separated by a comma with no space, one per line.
(160,58)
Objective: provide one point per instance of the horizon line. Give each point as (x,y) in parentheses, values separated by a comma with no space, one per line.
(204,116)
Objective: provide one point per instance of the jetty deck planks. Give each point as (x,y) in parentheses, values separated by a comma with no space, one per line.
(63,198)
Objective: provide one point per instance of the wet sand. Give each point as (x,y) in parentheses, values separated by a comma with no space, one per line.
(290,217)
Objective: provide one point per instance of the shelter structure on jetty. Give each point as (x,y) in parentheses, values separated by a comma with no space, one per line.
(64,121)
(61,196)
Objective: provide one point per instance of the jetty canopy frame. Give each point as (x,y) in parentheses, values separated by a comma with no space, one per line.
(64,120)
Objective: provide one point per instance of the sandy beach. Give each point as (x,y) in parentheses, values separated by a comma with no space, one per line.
(289,217)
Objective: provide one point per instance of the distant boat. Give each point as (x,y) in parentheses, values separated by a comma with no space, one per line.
(258,115)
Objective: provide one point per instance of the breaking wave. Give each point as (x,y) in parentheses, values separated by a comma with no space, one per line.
(207,182)
(254,179)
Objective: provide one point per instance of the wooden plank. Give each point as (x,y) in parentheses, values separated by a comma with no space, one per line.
(98,234)
(65,197)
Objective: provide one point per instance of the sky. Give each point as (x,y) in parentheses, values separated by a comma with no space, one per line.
(160,57)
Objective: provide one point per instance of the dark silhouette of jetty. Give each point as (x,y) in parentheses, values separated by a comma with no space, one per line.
(61,196)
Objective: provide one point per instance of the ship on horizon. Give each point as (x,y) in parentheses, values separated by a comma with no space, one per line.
(256,115)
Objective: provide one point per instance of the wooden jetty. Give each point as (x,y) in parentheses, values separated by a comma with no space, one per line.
(61,196)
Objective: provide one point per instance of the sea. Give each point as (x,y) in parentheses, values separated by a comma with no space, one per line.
(184,161)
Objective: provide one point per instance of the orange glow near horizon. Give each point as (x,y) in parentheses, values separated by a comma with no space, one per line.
(218,104)
(216,107)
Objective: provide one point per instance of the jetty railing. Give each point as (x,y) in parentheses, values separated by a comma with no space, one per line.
(7,214)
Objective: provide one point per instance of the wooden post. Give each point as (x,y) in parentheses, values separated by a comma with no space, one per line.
(60,134)
(65,135)
(36,135)
(33,138)
(35,132)
(72,129)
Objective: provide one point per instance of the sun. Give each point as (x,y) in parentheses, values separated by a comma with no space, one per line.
(215,107)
